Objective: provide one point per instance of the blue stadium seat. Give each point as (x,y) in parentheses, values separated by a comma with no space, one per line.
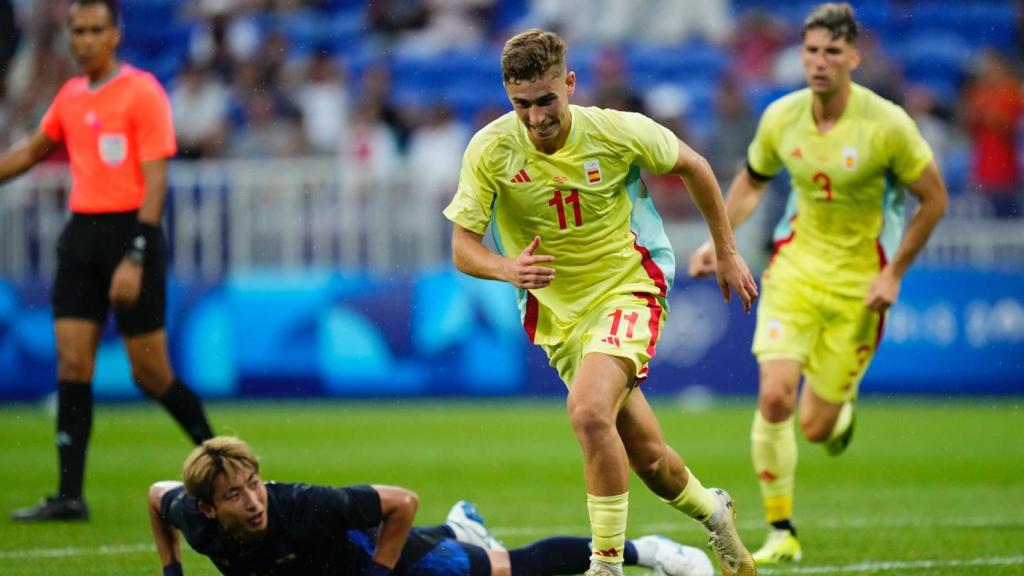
(759,96)
(936,58)
(685,64)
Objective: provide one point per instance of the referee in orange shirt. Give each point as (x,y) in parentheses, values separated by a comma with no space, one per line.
(116,123)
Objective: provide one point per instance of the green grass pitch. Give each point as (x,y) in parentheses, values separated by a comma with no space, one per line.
(927,487)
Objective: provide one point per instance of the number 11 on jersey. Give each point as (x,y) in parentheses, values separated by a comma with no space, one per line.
(559,204)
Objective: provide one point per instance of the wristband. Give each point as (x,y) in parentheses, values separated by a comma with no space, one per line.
(173,570)
(376,569)
(145,237)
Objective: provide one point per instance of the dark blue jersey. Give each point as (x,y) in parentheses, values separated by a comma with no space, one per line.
(311,530)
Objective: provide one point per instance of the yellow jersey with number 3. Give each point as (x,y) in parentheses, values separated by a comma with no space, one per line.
(587,203)
(844,217)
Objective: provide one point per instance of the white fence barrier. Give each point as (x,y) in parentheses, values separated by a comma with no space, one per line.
(311,213)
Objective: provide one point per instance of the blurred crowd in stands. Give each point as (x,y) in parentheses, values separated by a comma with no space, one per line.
(400,85)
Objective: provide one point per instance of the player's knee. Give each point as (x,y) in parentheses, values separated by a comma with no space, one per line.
(776,403)
(588,420)
(74,365)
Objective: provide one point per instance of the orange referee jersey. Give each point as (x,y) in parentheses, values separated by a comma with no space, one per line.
(109,131)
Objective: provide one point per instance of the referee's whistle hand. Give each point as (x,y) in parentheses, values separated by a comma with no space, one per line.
(125,285)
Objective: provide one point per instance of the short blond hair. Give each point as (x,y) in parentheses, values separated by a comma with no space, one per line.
(219,455)
(529,55)
(837,18)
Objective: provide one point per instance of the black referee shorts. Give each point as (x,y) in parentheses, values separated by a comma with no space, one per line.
(89,249)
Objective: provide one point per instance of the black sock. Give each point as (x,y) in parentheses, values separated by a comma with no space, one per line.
(630,557)
(185,407)
(557,555)
(786,524)
(440,531)
(74,423)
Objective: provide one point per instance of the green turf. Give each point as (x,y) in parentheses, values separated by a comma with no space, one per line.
(936,488)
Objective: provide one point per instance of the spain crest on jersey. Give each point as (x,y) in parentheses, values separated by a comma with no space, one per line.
(592,168)
(850,158)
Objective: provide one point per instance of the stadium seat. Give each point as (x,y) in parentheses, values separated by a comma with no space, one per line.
(759,96)
(937,58)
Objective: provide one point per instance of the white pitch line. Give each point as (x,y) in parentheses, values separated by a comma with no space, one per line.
(889,566)
(837,524)
(111,550)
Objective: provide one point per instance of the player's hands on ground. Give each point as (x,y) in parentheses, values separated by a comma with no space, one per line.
(883,291)
(734,275)
(125,285)
(523,271)
(702,261)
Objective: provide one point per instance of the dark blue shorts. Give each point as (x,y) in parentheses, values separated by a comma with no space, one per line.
(447,557)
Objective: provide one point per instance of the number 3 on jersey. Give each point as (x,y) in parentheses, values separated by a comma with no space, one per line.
(822,179)
(559,203)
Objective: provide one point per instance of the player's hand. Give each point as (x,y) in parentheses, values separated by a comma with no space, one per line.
(702,261)
(733,275)
(125,285)
(523,271)
(883,291)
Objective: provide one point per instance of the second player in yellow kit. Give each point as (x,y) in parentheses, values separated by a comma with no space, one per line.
(842,224)
(575,233)
(839,256)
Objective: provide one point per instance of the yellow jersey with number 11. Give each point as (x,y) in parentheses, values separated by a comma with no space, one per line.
(587,203)
(844,218)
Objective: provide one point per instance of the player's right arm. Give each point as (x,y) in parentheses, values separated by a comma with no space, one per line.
(744,195)
(470,213)
(24,155)
(398,509)
(524,271)
(164,534)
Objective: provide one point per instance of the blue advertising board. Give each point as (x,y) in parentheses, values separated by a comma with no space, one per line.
(440,333)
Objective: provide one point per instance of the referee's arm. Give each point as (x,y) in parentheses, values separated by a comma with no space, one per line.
(154,173)
(24,155)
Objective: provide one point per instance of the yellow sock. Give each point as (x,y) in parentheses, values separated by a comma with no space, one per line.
(773,449)
(608,526)
(695,500)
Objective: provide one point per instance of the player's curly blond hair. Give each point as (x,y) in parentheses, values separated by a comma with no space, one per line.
(529,55)
(837,18)
(216,456)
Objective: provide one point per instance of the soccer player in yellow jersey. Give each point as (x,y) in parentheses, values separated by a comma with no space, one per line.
(838,258)
(579,238)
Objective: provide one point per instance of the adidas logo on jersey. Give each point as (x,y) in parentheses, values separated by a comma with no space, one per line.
(521,177)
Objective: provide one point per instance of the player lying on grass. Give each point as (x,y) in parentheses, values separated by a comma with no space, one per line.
(246,526)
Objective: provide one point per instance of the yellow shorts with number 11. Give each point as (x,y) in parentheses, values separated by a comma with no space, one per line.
(625,325)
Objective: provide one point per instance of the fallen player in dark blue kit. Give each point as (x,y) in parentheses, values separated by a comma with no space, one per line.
(250,527)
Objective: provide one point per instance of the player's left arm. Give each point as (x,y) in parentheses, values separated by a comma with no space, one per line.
(164,534)
(398,508)
(930,191)
(733,273)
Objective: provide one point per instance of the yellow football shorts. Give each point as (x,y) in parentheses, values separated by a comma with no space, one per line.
(624,325)
(834,337)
